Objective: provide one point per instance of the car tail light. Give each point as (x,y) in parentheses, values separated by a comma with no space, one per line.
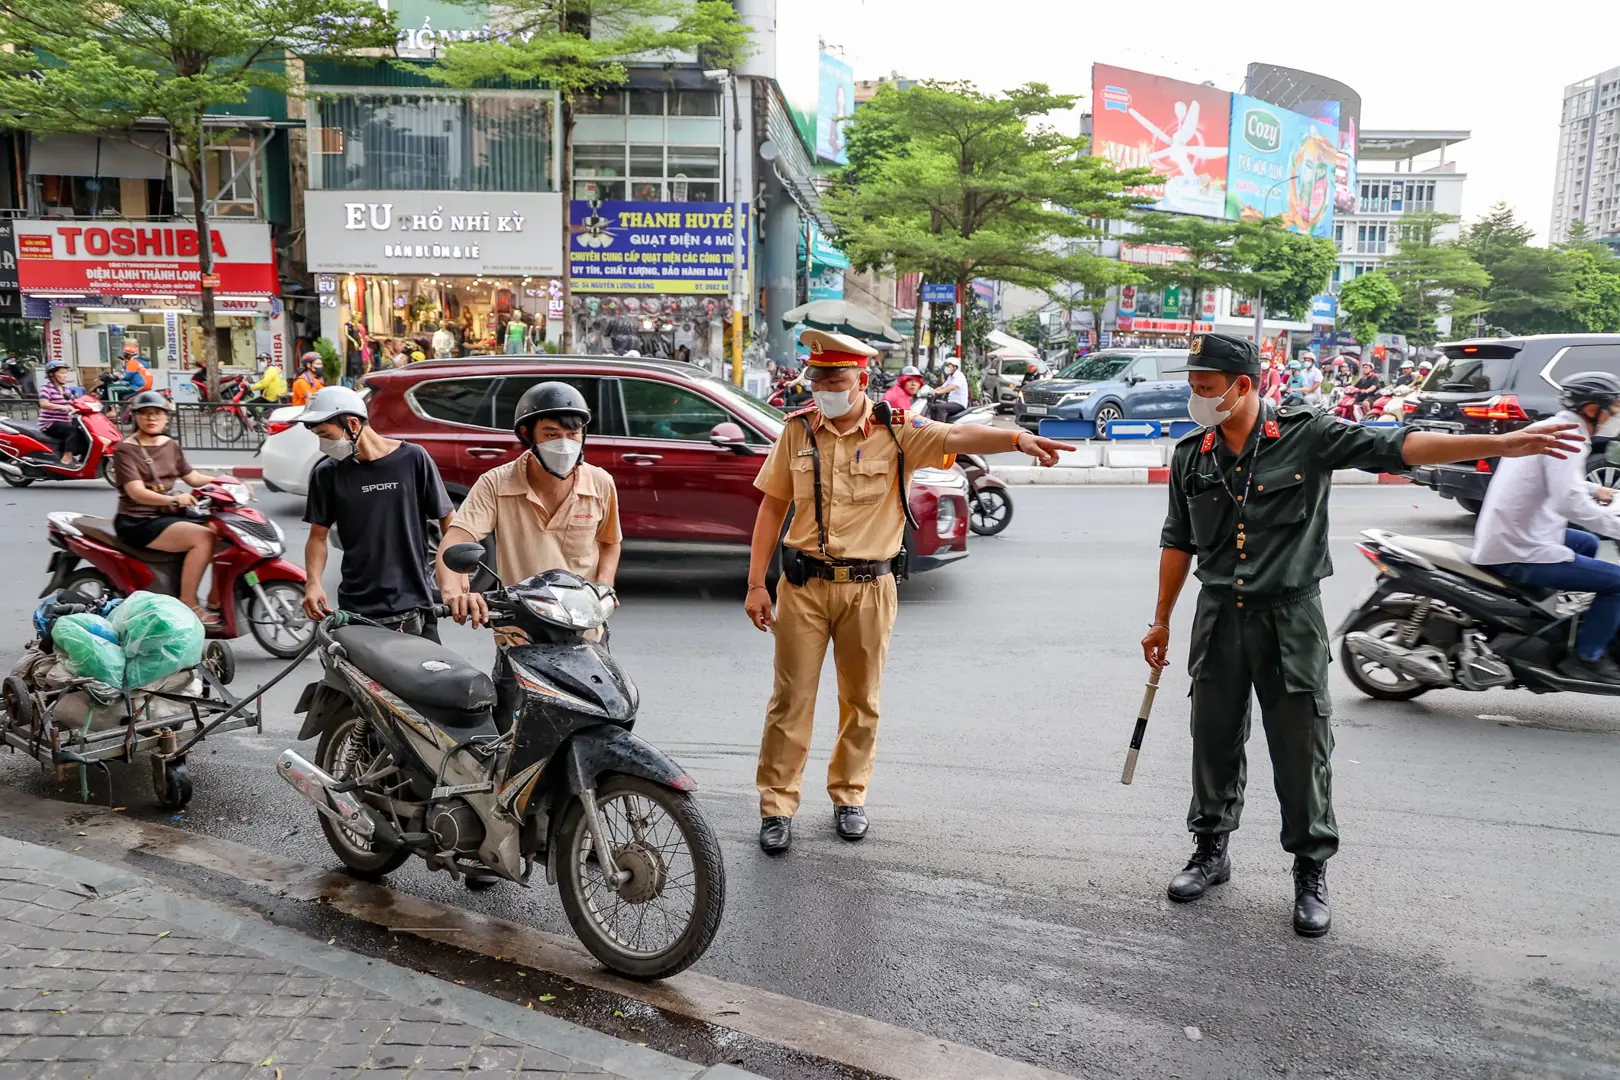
(1482,465)
(1408,406)
(276,427)
(1503,407)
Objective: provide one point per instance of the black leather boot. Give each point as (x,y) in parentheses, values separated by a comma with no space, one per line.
(1208,866)
(775,834)
(1312,916)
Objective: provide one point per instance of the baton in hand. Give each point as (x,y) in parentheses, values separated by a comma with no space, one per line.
(1141,727)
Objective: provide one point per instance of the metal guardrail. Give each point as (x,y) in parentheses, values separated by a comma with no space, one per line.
(197,425)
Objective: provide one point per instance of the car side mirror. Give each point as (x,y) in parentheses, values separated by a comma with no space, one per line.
(463,558)
(1132,380)
(729,436)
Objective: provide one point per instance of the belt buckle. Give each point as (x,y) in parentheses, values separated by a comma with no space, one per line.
(841,574)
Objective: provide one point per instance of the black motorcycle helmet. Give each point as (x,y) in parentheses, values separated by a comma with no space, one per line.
(150,399)
(1590,388)
(548,400)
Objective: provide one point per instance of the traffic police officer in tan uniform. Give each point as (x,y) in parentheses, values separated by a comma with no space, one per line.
(842,465)
(1248,500)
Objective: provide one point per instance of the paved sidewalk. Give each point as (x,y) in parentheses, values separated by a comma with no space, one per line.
(102,974)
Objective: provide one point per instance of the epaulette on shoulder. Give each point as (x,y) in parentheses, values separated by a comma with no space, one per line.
(898,417)
(801,412)
(1191,437)
(1296,412)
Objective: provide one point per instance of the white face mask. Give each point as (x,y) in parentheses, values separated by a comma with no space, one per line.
(1207,412)
(559,456)
(833,403)
(338,449)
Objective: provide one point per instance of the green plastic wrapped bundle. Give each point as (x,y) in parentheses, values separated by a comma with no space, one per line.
(89,648)
(161,636)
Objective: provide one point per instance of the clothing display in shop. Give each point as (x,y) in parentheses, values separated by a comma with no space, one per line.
(517,332)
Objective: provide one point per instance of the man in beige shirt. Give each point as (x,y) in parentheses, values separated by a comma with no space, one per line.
(549,510)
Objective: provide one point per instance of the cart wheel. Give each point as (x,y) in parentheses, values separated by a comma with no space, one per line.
(218,658)
(176,791)
(19,704)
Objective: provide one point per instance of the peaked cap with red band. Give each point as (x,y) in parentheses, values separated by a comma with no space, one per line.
(831,351)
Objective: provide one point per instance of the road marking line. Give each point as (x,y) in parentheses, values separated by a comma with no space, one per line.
(857,1041)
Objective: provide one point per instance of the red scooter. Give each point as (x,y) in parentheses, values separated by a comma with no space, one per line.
(253,582)
(28,454)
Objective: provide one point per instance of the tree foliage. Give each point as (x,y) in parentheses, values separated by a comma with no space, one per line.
(958,184)
(84,66)
(1366,303)
(1434,277)
(1532,289)
(1252,258)
(581,48)
(1028,327)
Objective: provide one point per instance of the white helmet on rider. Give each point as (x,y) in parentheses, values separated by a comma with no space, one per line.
(332,403)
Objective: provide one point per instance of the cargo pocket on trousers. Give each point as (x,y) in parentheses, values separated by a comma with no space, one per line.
(1205,616)
(1302,644)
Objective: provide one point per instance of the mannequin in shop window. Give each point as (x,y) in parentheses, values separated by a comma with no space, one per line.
(517,334)
(444,342)
(354,358)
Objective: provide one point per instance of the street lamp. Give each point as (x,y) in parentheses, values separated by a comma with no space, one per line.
(727,81)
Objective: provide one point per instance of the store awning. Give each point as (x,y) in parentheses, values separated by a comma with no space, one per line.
(841,317)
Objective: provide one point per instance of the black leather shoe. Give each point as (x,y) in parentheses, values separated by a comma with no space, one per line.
(775,835)
(851,821)
(1208,866)
(1312,916)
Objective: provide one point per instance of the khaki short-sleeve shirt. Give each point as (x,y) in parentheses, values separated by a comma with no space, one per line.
(527,540)
(860,479)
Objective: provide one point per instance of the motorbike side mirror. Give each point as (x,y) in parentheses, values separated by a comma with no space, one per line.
(729,436)
(464,558)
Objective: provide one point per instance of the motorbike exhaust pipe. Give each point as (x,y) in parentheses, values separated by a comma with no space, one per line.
(315,784)
(1399,660)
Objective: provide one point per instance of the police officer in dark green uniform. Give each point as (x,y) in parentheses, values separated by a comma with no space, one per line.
(1248,500)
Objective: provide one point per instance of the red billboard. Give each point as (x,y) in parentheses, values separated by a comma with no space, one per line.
(1177,129)
(142,258)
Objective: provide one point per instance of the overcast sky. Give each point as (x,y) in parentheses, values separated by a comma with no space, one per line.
(1499,73)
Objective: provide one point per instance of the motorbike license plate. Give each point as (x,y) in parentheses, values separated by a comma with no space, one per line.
(1035,410)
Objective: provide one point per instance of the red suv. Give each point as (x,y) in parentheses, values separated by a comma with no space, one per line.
(683,447)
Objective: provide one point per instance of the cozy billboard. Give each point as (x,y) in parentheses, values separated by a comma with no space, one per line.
(138,258)
(1283,165)
(1177,129)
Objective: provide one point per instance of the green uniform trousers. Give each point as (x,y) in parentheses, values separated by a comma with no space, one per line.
(1278,651)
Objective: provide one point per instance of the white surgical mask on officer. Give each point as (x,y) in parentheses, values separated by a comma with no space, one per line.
(1212,412)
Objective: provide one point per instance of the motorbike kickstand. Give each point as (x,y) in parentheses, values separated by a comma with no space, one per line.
(604,852)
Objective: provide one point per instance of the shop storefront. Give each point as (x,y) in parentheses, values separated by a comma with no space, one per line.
(101,285)
(653,277)
(398,265)
(17,334)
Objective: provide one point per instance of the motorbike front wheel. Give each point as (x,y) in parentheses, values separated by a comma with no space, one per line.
(228,426)
(660,837)
(1373,679)
(990,511)
(284,629)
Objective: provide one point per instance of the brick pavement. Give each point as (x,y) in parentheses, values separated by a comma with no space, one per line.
(123,981)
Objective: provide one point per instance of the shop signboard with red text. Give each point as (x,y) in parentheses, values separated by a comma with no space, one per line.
(142,258)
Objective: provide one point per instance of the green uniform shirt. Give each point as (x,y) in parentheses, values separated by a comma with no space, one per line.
(1275,540)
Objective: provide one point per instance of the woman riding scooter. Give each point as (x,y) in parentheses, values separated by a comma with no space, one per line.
(904,391)
(145,469)
(55,418)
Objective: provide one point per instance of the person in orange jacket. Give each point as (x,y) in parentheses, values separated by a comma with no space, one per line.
(309,380)
(137,375)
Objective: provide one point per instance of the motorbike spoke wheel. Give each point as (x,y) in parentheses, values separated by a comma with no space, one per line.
(283,628)
(991,512)
(348,748)
(227,426)
(1371,678)
(662,918)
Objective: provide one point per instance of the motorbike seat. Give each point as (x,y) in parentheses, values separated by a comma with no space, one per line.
(444,685)
(101,530)
(33,431)
(1455,558)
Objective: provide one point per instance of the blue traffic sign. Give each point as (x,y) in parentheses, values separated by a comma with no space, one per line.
(938,293)
(1132,429)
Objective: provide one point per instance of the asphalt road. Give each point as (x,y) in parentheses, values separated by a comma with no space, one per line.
(1011,895)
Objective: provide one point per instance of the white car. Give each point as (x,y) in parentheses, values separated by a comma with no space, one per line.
(289,452)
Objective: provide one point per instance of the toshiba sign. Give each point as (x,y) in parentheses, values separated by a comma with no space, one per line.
(142,257)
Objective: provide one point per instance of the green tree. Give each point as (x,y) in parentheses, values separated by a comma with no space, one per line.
(1366,304)
(1434,277)
(1287,268)
(1027,327)
(1595,272)
(88,67)
(1532,289)
(959,184)
(581,48)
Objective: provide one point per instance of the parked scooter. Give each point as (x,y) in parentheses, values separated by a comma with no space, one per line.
(28,454)
(534,769)
(1435,620)
(255,584)
(990,507)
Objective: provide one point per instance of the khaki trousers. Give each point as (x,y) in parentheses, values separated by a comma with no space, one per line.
(857,618)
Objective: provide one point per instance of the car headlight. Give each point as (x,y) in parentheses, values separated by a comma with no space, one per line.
(1073,396)
(945,521)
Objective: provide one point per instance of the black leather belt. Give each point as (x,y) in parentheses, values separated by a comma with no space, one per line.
(848,571)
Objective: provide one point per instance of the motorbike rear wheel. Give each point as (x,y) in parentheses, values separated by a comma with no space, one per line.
(106,471)
(228,426)
(1375,680)
(990,511)
(16,481)
(666,858)
(343,752)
